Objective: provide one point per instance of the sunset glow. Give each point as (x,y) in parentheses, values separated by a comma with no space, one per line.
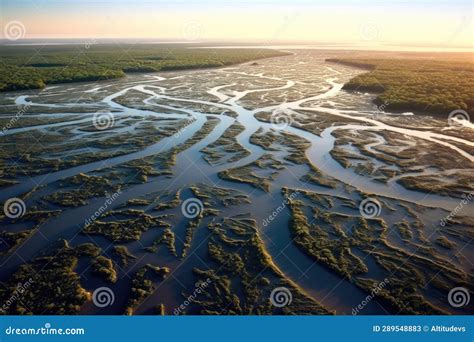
(436,24)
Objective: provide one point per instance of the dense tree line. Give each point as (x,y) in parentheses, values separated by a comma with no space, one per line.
(415,84)
(23,67)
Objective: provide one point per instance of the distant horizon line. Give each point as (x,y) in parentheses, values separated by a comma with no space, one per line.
(239,43)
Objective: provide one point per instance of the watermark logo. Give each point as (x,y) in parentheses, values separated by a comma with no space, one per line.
(47,329)
(459,118)
(281,118)
(192,30)
(373,293)
(88,43)
(192,207)
(103,208)
(466,199)
(14,30)
(381,108)
(280,208)
(369,31)
(20,112)
(103,296)
(370,208)
(200,287)
(103,120)
(380,113)
(17,294)
(180,131)
(280,297)
(14,208)
(458,297)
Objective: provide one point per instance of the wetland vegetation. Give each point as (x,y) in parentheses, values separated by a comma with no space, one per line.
(210,189)
(23,67)
(427,84)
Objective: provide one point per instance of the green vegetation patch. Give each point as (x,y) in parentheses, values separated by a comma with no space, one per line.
(124,254)
(226,148)
(243,275)
(252,173)
(130,228)
(332,238)
(167,239)
(143,285)
(435,86)
(50,286)
(104,268)
(24,67)
(89,187)
(213,197)
(33,218)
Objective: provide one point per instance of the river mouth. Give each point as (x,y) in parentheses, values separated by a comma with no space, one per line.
(278,163)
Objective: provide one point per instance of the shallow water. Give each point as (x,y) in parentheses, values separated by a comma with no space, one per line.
(275,84)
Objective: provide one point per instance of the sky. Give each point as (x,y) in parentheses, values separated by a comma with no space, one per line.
(436,23)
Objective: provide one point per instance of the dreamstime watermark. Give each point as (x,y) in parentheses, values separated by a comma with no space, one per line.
(287,20)
(370,208)
(20,112)
(383,106)
(369,31)
(280,208)
(182,129)
(380,110)
(103,208)
(192,207)
(459,118)
(199,288)
(465,21)
(103,296)
(466,199)
(192,30)
(380,286)
(46,330)
(14,208)
(281,118)
(458,297)
(14,30)
(103,120)
(90,42)
(17,294)
(280,297)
